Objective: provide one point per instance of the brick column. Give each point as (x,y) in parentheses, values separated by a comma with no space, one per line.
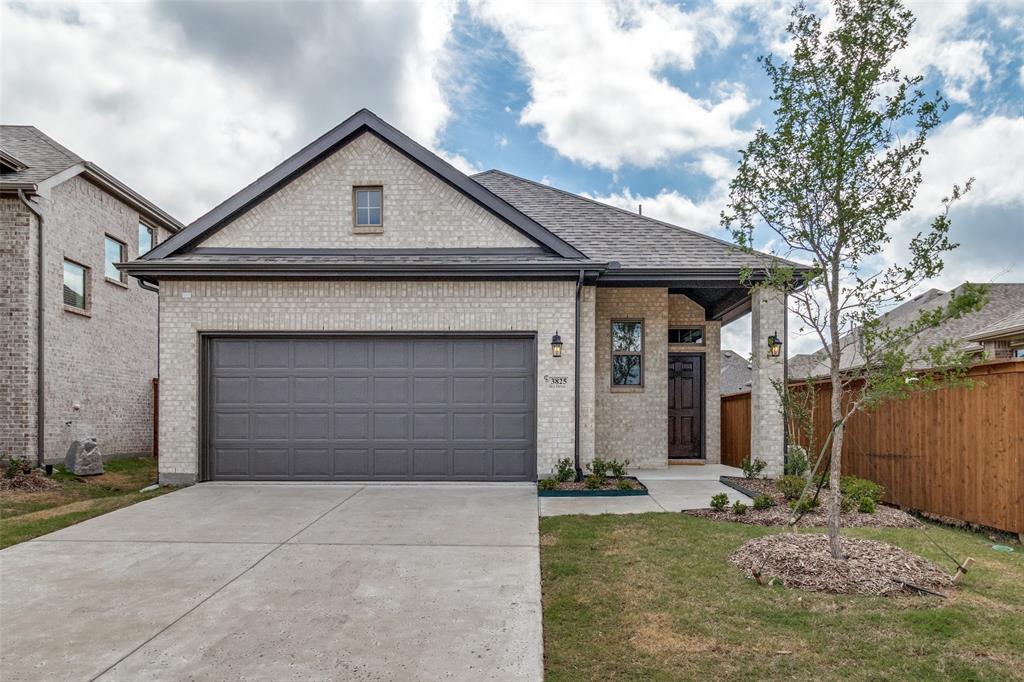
(767,426)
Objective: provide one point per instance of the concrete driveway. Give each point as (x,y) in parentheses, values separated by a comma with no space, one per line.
(283,582)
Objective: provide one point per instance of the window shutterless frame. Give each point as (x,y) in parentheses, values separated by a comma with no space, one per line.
(688,334)
(368,207)
(147,237)
(114,251)
(627,353)
(75,289)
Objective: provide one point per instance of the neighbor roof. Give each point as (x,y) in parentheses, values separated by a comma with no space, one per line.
(42,158)
(736,372)
(1012,324)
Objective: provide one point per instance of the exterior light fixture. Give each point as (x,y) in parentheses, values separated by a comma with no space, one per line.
(556,345)
(774,345)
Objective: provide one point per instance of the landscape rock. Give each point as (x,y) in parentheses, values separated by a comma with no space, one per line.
(84,458)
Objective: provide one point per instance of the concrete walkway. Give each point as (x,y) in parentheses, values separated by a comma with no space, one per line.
(675,488)
(283,582)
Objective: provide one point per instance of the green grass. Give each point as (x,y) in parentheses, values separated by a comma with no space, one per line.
(652,597)
(26,515)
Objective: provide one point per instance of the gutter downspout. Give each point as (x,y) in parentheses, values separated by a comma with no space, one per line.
(576,382)
(40,338)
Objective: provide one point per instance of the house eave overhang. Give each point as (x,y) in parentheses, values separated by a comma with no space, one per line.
(150,212)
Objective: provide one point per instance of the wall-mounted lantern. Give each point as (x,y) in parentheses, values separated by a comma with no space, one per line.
(774,345)
(556,345)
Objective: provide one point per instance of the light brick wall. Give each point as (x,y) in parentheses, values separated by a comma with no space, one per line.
(684,312)
(767,426)
(18,233)
(103,362)
(420,209)
(632,422)
(588,321)
(189,307)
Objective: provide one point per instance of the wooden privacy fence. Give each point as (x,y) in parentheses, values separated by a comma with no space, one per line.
(957,452)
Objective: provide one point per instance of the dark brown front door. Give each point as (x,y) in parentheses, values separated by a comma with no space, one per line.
(685,406)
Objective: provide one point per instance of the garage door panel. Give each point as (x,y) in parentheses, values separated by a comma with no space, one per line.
(391,408)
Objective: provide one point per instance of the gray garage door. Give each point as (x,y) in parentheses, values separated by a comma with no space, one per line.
(385,408)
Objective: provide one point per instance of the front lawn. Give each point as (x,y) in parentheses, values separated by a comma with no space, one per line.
(25,515)
(652,597)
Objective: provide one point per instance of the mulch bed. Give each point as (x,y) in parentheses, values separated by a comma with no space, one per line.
(609,484)
(884,517)
(803,561)
(33,482)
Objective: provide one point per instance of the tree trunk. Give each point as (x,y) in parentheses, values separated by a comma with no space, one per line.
(835,508)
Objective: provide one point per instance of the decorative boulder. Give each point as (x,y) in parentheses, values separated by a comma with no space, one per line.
(84,458)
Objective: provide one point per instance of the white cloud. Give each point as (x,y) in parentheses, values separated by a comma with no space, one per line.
(189,102)
(598,89)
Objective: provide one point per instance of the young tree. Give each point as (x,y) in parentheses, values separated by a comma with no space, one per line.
(839,168)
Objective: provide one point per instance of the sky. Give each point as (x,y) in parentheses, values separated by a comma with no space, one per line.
(630,102)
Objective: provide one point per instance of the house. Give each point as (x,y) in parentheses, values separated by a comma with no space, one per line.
(986,333)
(736,370)
(366,311)
(79,339)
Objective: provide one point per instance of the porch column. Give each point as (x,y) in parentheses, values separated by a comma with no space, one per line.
(767,426)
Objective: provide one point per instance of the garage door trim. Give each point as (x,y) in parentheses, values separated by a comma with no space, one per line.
(206,405)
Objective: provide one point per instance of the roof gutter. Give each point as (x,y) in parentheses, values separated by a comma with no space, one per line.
(40,336)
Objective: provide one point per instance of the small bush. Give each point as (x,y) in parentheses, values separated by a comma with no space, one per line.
(866,505)
(763,502)
(592,482)
(791,487)
(804,505)
(719,502)
(16,465)
(752,468)
(859,488)
(617,468)
(796,461)
(738,508)
(599,467)
(625,484)
(565,470)
(548,484)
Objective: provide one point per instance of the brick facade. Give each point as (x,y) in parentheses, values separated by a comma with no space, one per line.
(420,209)
(99,366)
(189,307)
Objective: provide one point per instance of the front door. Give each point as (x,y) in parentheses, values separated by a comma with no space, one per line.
(685,406)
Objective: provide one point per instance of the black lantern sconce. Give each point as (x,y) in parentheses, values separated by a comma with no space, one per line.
(556,345)
(774,345)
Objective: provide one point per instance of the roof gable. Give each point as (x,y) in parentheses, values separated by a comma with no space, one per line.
(314,153)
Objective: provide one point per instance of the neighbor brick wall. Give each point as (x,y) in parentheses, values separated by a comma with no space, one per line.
(18,233)
(420,209)
(103,362)
(632,422)
(684,312)
(188,307)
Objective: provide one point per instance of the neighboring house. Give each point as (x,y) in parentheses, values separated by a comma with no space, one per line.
(736,372)
(367,311)
(78,343)
(993,331)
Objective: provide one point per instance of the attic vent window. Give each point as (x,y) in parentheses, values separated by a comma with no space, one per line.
(369,207)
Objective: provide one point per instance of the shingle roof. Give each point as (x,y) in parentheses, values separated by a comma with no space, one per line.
(607,233)
(736,372)
(43,156)
(1012,323)
(1003,300)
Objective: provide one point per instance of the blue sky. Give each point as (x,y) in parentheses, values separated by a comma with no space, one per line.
(635,101)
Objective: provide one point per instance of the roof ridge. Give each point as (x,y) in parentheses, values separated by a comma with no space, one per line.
(656,221)
(43,137)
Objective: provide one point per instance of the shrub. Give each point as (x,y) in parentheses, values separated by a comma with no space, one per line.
(763,502)
(805,505)
(16,465)
(547,484)
(599,467)
(719,502)
(796,461)
(866,505)
(859,488)
(752,468)
(592,482)
(565,471)
(791,487)
(738,508)
(625,484)
(617,468)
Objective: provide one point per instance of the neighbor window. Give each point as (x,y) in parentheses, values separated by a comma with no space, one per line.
(369,206)
(686,335)
(627,352)
(113,252)
(147,238)
(75,282)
